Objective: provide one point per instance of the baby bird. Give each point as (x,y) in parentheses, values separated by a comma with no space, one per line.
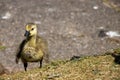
(33,48)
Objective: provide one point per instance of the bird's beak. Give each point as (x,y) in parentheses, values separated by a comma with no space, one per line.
(27,33)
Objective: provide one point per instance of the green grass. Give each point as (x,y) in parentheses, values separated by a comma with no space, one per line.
(86,68)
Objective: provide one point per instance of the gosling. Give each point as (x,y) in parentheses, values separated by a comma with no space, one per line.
(33,48)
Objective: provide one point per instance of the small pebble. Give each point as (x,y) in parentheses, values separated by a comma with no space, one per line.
(95,7)
(6,16)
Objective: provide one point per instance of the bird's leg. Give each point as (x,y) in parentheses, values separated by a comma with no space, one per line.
(17,60)
(25,65)
(41,62)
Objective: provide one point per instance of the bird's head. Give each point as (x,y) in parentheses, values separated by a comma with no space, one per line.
(31,30)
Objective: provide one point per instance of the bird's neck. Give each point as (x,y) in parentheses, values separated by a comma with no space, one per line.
(32,41)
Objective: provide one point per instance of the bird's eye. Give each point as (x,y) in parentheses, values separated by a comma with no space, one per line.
(32,29)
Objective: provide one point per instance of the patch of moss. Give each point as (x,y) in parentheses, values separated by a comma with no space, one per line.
(2,47)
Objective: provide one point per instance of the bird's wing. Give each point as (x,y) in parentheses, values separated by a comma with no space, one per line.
(18,55)
(43,45)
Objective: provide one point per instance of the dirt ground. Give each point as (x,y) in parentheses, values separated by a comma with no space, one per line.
(71,27)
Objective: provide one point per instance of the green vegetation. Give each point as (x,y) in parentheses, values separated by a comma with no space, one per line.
(2,47)
(117,51)
(85,68)
(111,5)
